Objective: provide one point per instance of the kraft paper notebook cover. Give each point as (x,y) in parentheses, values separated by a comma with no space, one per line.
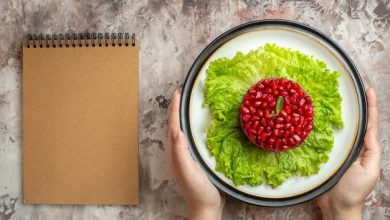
(80,120)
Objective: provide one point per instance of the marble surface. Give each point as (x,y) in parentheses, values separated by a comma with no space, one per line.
(172,33)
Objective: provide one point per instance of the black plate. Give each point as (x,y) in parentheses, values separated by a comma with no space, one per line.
(185,121)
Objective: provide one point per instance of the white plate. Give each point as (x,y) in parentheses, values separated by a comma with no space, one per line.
(308,43)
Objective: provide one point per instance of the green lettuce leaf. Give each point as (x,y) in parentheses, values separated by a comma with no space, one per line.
(228,80)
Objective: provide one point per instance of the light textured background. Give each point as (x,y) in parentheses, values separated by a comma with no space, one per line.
(172,34)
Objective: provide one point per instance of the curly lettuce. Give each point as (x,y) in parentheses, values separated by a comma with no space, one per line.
(228,80)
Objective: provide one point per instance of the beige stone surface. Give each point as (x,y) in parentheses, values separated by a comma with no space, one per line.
(172,33)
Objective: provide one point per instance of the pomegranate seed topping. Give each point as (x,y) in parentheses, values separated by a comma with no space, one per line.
(276,114)
(246,118)
(278,126)
(260,113)
(245,110)
(263,136)
(255,104)
(291,141)
(279,120)
(296,138)
(301,102)
(266,113)
(250,97)
(273,85)
(308,127)
(293,92)
(277,143)
(258,95)
(255,125)
(255,118)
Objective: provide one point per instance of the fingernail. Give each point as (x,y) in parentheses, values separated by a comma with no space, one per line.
(177,92)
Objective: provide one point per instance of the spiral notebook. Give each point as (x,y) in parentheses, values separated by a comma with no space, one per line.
(80,119)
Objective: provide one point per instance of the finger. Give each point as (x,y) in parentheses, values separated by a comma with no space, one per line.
(173,116)
(372,112)
(182,160)
(173,128)
(370,157)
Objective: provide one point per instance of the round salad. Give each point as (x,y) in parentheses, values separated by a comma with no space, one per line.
(274,113)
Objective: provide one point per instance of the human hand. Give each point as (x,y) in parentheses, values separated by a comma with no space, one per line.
(203,200)
(346,199)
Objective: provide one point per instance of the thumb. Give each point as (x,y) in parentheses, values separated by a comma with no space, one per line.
(370,157)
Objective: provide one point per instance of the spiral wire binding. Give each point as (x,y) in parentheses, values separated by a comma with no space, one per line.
(80,40)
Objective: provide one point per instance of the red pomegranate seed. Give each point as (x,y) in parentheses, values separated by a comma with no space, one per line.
(251,131)
(260,113)
(255,125)
(250,97)
(263,121)
(296,138)
(246,118)
(270,123)
(263,136)
(244,110)
(273,85)
(292,129)
(277,143)
(258,95)
(266,113)
(252,110)
(278,126)
(293,99)
(247,126)
(308,127)
(255,118)
(293,92)
(256,104)
(288,85)
(291,141)
(279,120)
(265,126)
